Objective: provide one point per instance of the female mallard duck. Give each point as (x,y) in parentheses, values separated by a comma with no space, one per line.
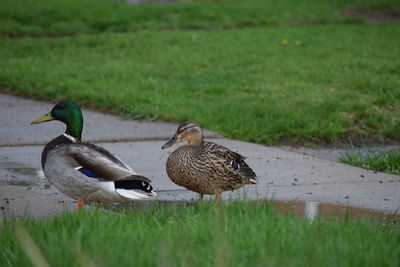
(85,171)
(205,167)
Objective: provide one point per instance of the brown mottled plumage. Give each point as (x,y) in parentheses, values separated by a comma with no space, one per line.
(205,167)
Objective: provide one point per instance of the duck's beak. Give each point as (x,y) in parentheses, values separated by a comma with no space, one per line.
(46,117)
(170,142)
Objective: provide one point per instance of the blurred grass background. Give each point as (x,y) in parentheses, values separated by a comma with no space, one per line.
(66,17)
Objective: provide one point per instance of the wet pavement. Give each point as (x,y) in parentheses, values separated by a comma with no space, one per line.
(283,175)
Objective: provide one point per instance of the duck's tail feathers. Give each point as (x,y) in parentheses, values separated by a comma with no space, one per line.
(134,194)
(139,185)
(136,177)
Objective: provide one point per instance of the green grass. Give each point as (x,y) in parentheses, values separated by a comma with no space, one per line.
(328,84)
(238,234)
(225,64)
(65,17)
(384,161)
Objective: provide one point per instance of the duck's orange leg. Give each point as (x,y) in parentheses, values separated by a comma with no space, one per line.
(81,202)
(201,198)
(218,198)
(98,205)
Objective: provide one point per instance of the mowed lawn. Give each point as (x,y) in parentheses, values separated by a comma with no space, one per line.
(70,17)
(323,83)
(237,234)
(255,70)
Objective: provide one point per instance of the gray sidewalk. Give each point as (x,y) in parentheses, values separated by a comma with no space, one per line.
(283,175)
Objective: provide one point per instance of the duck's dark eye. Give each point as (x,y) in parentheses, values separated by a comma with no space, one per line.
(61,106)
(235,164)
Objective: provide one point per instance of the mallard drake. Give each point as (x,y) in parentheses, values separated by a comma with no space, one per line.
(205,167)
(84,171)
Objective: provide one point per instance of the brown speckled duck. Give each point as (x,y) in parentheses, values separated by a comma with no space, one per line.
(205,167)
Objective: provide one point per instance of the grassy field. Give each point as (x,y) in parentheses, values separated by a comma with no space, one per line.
(66,17)
(328,83)
(261,71)
(238,234)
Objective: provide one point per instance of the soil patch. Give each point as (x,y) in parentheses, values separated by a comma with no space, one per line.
(373,16)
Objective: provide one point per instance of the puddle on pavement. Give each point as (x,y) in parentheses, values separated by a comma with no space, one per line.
(134,2)
(22,175)
(299,208)
(328,210)
(17,183)
(22,171)
(16,168)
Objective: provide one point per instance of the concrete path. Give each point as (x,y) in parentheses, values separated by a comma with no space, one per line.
(284,175)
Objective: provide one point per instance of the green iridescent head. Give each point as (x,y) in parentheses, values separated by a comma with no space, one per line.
(67,112)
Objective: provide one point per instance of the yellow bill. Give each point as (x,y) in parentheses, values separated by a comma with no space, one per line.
(46,117)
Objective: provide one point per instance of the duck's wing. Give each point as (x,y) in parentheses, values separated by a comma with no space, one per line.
(95,161)
(231,161)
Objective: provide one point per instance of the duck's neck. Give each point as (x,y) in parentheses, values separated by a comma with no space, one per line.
(74,128)
(196,145)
